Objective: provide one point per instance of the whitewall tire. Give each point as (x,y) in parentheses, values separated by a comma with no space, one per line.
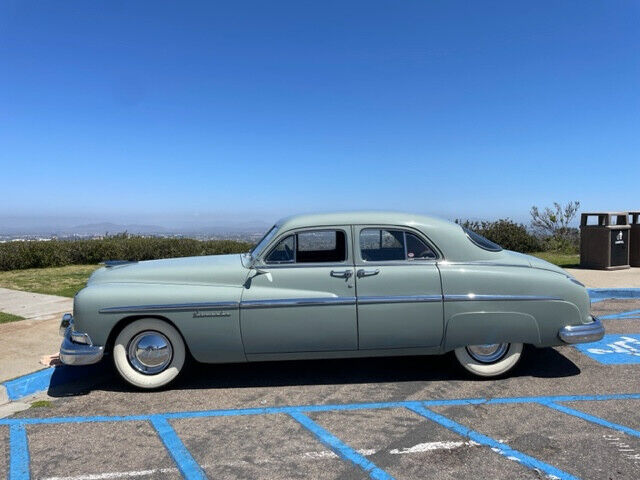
(149,353)
(491,360)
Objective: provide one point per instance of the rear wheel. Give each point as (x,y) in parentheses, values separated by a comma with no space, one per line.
(149,353)
(489,360)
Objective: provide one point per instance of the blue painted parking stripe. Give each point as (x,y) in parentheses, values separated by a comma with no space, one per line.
(185,462)
(18,453)
(317,408)
(340,448)
(592,418)
(501,448)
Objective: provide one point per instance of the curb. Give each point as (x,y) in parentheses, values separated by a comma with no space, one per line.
(44,380)
(600,294)
(28,384)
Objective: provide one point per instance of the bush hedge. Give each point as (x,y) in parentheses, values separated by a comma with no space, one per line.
(58,253)
(506,233)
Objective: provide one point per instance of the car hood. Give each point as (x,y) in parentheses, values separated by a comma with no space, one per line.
(204,270)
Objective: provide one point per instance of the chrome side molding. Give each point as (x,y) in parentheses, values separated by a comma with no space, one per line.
(298,302)
(174,307)
(472,297)
(375,300)
(319,301)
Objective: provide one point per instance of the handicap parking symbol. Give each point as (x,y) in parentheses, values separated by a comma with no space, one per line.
(614,349)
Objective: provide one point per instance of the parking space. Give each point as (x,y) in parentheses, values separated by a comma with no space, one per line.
(405,445)
(102,442)
(562,414)
(554,437)
(219,444)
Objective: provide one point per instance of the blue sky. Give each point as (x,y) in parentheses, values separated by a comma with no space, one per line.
(158,111)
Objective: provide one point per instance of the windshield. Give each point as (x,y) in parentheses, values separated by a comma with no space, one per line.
(482,242)
(259,247)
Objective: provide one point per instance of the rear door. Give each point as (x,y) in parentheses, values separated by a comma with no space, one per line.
(398,289)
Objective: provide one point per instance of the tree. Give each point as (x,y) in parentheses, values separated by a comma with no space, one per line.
(554,223)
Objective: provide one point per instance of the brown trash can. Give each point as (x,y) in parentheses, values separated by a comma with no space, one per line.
(605,245)
(634,239)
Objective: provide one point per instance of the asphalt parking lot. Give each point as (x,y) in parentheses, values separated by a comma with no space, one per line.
(565,413)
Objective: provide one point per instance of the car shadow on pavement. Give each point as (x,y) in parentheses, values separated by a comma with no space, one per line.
(539,363)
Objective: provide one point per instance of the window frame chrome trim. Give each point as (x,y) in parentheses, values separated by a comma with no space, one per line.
(439,257)
(295,232)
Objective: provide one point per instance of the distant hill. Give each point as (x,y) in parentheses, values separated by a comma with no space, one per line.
(107,227)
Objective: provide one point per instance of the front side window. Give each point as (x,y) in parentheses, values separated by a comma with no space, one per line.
(383,245)
(314,246)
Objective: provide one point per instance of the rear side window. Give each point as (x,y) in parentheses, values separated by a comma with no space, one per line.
(481,241)
(315,246)
(382,245)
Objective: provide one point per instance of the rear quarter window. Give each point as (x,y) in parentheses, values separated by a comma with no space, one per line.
(481,241)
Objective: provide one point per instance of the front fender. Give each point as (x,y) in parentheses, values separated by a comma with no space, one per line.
(206,316)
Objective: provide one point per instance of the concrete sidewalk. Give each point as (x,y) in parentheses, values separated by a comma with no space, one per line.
(629,278)
(23,343)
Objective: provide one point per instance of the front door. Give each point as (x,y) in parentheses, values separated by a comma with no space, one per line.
(303,297)
(399,290)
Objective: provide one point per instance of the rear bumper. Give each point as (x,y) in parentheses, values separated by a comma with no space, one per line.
(586,333)
(74,352)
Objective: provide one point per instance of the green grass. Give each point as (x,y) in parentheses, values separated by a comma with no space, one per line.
(564,260)
(63,281)
(41,404)
(7,317)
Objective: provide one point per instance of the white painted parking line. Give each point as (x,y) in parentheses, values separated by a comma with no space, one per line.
(115,475)
(419,448)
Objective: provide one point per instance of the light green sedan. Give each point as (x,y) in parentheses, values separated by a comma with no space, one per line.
(335,285)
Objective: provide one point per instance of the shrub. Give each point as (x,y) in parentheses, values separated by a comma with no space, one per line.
(506,233)
(552,225)
(57,253)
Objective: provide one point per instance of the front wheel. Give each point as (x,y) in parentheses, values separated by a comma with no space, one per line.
(149,353)
(490,360)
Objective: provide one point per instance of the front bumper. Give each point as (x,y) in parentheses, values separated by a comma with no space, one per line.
(586,333)
(81,352)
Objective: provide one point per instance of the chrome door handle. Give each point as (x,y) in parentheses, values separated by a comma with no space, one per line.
(367,273)
(341,273)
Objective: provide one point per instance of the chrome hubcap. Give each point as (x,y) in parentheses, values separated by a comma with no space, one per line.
(150,352)
(489,352)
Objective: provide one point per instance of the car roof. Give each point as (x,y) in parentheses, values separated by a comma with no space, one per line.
(362,218)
